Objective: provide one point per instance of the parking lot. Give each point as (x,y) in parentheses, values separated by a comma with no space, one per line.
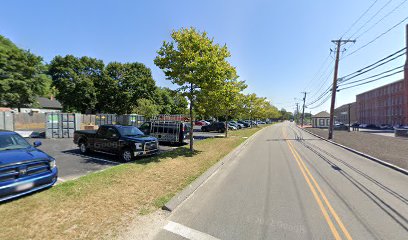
(72,164)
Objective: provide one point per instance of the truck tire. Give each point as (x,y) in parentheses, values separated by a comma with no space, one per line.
(83,147)
(126,155)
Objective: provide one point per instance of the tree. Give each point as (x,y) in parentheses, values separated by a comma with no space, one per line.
(74,79)
(170,101)
(22,76)
(225,101)
(194,62)
(147,108)
(123,85)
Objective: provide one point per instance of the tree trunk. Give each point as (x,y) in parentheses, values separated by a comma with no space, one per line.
(226,126)
(191,119)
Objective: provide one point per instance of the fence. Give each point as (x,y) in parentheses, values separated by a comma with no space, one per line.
(7,121)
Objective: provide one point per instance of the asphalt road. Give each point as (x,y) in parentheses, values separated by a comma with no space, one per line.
(287,184)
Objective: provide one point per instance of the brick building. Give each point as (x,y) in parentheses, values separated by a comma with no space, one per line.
(387,104)
(342,113)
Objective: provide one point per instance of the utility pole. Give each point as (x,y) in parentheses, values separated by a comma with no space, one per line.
(334,87)
(303,109)
(297,113)
(349,117)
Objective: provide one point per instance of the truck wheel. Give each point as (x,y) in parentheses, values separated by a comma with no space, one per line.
(83,148)
(126,155)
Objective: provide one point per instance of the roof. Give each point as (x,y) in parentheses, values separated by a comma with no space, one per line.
(48,103)
(322,114)
(5,109)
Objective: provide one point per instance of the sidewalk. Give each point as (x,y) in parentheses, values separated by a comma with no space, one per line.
(389,149)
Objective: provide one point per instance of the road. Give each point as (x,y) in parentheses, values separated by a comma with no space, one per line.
(288,184)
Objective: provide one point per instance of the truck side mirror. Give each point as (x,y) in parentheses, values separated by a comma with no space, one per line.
(37,143)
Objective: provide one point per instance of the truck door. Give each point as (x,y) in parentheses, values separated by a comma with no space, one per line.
(112,140)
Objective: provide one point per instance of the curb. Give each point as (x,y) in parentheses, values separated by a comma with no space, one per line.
(191,188)
(382,162)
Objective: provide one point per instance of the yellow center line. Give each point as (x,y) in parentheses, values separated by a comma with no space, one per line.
(319,202)
(307,175)
(336,217)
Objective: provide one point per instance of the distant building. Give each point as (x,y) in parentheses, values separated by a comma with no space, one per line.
(387,104)
(383,105)
(342,113)
(44,105)
(321,120)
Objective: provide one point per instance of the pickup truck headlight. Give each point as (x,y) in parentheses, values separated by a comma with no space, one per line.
(52,164)
(138,146)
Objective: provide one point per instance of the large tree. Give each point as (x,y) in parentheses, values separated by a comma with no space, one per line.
(74,79)
(194,62)
(22,76)
(123,85)
(170,101)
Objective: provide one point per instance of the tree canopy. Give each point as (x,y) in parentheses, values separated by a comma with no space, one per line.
(22,76)
(195,63)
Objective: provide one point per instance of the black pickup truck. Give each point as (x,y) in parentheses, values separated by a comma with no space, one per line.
(126,141)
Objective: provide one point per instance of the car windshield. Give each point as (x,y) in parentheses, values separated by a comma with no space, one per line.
(130,131)
(12,141)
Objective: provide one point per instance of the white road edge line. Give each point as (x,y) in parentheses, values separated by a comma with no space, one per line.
(187,232)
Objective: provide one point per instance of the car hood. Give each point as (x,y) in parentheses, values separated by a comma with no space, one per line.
(21,155)
(140,139)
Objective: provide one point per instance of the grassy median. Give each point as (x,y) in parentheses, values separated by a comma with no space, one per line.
(99,205)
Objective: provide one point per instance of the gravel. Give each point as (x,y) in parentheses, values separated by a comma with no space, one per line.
(389,149)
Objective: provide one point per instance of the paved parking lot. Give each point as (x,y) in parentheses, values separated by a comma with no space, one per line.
(72,164)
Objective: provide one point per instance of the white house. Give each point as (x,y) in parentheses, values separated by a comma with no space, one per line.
(321,120)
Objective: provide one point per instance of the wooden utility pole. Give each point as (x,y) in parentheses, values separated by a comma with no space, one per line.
(349,117)
(334,87)
(303,109)
(297,113)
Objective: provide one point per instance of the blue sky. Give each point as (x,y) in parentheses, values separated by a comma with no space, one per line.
(276,46)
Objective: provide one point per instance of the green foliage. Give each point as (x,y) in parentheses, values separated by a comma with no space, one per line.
(195,63)
(123,85)
(170,101)
(147,108)
(22,76)
(285,115)
(74,79)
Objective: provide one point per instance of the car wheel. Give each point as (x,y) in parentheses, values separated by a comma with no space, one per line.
(83,148)
(126,155)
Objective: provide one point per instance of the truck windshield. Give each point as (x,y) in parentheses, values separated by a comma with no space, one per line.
(130,131)
(12,141)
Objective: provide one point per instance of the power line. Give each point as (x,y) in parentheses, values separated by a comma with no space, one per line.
(320,68)
(379,36)
(372,17)
(323,84)
(377,79)
(376,75)
(385,16)
(373,65)
(321,103)
(358,19)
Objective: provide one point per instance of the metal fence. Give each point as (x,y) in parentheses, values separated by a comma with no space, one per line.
(7,121)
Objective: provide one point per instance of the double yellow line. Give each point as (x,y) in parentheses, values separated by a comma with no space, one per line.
(315,188)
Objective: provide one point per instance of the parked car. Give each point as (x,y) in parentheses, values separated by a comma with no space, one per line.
(201,123)
(246,124)
(340,126)
(126,141)
(385,126)
(372,126)
(236,124)
(363,125)
(232,127)
(167,131)
(214,127)
(23,168)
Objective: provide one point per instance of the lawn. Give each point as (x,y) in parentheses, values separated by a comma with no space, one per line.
(98,205)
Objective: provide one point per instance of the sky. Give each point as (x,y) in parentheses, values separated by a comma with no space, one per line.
(280,48)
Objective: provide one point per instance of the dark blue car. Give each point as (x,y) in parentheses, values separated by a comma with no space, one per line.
(23,168)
